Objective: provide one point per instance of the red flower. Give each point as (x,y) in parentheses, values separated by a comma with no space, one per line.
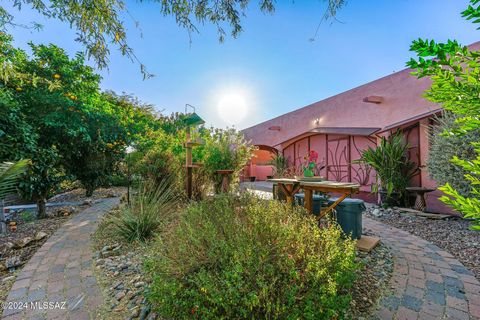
(313,156)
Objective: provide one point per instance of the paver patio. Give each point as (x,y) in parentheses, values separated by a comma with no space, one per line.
(428,282)
(61,273)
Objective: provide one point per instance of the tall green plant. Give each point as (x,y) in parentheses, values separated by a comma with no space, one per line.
(455,74)
(390,161)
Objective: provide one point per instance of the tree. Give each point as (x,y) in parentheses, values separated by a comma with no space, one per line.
(71,128)
(455,74)
(99,22)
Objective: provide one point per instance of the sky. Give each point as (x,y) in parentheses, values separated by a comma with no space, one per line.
(273,67)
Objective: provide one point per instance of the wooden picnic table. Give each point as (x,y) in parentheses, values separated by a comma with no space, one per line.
(291,186)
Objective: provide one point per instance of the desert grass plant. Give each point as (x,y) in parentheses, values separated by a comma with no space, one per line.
(151,207)
(243,258)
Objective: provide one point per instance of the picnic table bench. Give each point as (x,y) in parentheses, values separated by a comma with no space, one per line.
(292,186)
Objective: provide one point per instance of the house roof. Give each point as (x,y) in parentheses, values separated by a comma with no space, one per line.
(381,104)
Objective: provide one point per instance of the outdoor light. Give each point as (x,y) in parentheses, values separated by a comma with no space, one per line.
(192,119)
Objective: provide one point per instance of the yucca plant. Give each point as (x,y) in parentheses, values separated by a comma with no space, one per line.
(9,173)
(393,168)
(150,208)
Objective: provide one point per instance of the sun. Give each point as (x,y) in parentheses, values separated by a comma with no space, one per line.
(232,106)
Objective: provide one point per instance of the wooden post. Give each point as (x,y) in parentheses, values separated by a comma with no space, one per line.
(188,164)
(308,200)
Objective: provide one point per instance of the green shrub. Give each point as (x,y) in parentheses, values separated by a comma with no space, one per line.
(150,208)
(226,149)
(444,146)
(238,258)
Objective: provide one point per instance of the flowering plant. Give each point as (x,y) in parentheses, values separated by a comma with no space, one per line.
(310,160)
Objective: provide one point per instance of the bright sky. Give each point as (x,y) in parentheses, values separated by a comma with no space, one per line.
(272,68)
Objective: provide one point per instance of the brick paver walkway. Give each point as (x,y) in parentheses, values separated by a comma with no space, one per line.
(60,273)
(428,282)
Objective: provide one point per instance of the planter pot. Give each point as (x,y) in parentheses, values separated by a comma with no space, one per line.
(390,200)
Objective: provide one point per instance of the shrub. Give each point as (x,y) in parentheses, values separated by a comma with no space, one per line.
(150,208)
(226,149)
(237,258)
(443,147)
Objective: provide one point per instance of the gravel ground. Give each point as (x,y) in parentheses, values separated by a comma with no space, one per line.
(373,278)
(453,235)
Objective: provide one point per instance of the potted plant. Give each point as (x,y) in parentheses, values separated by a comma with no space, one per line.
(310,163)
(393,168)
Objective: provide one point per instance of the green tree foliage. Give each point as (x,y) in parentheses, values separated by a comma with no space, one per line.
(455,73)
(443,147)
(68,128)
(100,23)
(229,258)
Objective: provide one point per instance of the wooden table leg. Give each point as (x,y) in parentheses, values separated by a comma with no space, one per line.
(332,206)
(290,190)
(225,183)
(309,200)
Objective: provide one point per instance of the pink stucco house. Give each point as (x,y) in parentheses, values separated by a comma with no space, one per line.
(340,127)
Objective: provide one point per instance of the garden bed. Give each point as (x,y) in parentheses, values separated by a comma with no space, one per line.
(453,234)
(119,270)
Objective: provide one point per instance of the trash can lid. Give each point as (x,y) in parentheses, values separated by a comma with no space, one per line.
(347,202)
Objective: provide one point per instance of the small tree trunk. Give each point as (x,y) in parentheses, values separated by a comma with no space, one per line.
(42,208)
(89,191)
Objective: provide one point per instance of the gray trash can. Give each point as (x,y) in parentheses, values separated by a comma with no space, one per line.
(349,216)
(318,202)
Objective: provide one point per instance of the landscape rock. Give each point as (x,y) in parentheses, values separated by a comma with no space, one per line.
(135,312)
(120,295)
(23,242)
(13,262)
(40,236)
